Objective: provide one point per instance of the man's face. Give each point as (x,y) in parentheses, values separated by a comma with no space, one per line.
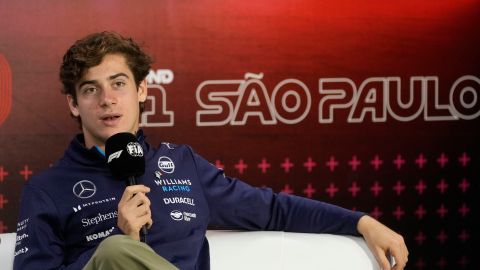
(107,100)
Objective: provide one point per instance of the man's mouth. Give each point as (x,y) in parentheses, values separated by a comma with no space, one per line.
(110,120)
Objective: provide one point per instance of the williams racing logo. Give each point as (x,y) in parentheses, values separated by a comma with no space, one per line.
(172,185)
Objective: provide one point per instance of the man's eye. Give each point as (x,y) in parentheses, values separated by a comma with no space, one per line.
(89,90)
(119,84)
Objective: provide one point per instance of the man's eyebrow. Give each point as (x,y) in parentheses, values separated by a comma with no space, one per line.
(86,82)
(114,76)
(117,75)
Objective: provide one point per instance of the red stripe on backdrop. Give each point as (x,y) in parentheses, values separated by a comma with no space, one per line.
(5,89)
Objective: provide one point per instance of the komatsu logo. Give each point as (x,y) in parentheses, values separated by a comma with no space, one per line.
(99,235)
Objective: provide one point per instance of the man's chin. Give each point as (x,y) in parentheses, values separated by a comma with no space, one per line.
(116,131)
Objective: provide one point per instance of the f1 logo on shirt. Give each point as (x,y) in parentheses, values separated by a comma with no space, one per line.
(166,165)
(84,189)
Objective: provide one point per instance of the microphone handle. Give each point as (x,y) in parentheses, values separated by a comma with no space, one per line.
(131,181)
(143,232)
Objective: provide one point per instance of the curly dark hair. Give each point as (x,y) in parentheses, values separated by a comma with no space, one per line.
(90,51)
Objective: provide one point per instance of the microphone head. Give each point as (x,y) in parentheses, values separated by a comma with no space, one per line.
(124,156)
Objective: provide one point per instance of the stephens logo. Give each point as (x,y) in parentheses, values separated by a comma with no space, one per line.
(98,218)
(166,165)
(84,189)
(135,149)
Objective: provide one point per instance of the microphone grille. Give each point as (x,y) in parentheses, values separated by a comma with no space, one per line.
(125,157)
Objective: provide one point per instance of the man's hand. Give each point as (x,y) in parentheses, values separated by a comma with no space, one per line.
(134,211)
(382,241)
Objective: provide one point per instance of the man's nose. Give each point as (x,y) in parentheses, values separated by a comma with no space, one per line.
(108,97)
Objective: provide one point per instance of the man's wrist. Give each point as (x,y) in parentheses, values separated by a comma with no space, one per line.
(363,224)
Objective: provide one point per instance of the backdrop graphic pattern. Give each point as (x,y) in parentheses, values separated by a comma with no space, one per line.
(271,61)
(441,209)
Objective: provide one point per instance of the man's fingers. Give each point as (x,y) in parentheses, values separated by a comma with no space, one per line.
(400,253)
(139,199)
(134,210)
(382,259)
(149,223)
(144,220)
(143,210)
(400,257)
(130,191)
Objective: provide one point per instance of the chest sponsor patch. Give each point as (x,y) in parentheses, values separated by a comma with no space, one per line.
(99,235)
(82,206)
(166,165)
(101,217)
(84,189)
(169,185)
(179,200)
(182,216)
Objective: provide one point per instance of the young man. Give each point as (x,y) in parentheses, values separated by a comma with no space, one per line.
(68,210)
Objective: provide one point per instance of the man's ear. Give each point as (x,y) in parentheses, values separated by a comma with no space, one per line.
(142,91)
(72,104)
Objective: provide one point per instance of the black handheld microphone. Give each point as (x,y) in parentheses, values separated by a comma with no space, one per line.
(126,161)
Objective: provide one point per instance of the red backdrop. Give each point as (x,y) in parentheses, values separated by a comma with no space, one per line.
(372,105)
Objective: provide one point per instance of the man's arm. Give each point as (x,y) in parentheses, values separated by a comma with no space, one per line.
(40,243)
(383,242)
(235,203)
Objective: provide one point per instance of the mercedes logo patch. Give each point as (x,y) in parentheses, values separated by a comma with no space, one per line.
(84,189)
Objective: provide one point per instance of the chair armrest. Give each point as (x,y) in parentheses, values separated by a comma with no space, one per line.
(282,250)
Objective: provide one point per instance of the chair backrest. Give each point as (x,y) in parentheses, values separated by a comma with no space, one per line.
(268,250)
(7,248)
(237,250)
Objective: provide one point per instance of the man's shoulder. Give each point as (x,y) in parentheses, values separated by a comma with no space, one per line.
(169,152)
(50,174)
(172,148)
